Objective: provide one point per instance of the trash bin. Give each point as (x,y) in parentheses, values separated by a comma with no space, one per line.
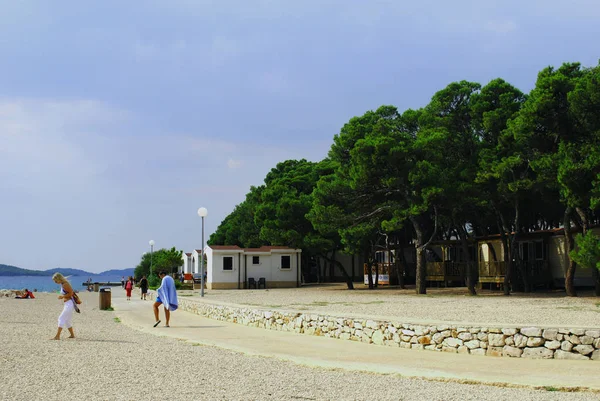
(96,287)
(104,298)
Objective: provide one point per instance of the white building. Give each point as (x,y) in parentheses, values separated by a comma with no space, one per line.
(196,259)
(229,266)
(186,266)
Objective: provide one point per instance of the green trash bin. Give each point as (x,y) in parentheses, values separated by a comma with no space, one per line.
(105,298)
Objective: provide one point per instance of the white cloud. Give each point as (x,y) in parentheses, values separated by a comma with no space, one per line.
(234,164)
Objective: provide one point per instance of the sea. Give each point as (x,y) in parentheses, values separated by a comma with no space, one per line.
(45,283)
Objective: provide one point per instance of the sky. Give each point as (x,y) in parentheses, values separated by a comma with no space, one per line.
(119,119)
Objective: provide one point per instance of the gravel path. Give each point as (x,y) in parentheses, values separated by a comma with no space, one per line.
(439,305)
(111,361)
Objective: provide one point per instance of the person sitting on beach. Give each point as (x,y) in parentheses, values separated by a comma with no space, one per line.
(166,296)
(25,294)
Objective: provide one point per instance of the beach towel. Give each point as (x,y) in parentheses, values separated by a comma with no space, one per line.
(167,293)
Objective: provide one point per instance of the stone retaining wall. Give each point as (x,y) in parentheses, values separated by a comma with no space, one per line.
(525,342)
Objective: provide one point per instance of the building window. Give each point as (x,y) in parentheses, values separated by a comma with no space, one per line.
(255,260)
(227,262)
(286,262)
(539,250)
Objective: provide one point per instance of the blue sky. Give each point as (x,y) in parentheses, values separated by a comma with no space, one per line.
(119,119)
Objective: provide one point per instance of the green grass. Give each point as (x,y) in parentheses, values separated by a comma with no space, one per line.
(110,309)
(117,320)
(550,388)
(598,304)
(185,295)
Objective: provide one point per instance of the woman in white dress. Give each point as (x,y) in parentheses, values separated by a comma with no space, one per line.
(66,317)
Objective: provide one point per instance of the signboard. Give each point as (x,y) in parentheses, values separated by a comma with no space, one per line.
(383,279)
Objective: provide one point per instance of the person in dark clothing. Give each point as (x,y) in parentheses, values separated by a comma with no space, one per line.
(144,287)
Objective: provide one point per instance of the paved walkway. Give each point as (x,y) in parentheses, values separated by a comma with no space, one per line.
(350,355)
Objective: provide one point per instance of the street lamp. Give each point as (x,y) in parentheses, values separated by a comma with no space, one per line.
(151,252)
(202,212)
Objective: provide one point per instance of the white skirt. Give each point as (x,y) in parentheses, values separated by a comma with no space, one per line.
(66,317)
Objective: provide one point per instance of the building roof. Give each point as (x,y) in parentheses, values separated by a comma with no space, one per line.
(225,247)
(188,253)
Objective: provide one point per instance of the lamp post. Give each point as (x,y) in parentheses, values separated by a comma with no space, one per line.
(202,212)
(151,253)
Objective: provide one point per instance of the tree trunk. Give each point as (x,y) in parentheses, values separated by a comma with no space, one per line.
(569,245)
(400,267)
(470,271)
(421,283)
(376,284)
(345,274)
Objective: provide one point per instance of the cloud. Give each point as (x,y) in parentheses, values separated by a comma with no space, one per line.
(234,164)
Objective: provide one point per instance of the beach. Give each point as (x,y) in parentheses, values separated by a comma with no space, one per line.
(110,360)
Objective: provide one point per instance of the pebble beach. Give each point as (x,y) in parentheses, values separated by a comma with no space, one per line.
(111,361)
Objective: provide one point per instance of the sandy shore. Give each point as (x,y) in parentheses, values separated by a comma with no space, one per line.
(439,305)
(110,361)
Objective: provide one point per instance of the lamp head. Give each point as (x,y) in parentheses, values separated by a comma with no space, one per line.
(151,242)
(202,212)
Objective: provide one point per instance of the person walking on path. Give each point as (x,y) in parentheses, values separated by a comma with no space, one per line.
(122,281)
(66,294)
(166,296)
(144,287)
(129,287)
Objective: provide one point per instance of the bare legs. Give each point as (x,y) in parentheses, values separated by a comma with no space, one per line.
(167,314)
(57,336)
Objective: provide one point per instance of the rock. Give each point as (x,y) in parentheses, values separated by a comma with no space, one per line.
(430,347)
(509,332)
(566,346)
(358,326)
(462,350)
(584,349)
(443,328)
(494,330)
(496,340)
(535,342)
(448,349)
(560,354)
(597,343)
(483,344)
(414,340)
(482,336)
(446,333)
(560,337)
(586,340)
(494,351)
(510,340)
(453,342)
(552,344)
(596,355)
(593,333)
(472,344)
(563,331)
(408,332)
(396,338)
(405,339)
(368,332)
(372,324)
(419,330)
(550,334)
(531,332)
(478,351)
(405,345)
(578,332)
(465,336)
(438,338)
(538,353)
(512,352)
(392,329)
(573,339)
(520,341)
(474,330)
(345,336)
(425,340)
(417,346)
(377,337)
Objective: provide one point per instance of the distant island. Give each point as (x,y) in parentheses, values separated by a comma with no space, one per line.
(8,270)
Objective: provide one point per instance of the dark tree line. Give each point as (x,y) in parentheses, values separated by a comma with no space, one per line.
(475,161)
